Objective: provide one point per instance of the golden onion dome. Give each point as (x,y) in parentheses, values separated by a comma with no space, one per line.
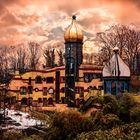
(73,32)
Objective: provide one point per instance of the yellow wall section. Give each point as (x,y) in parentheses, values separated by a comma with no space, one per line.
(15,84)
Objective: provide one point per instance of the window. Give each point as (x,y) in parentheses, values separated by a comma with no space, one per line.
(76,89)
(30,100)
(89,76)
(49,79)
(44,101)
(40,100)
(36,89)
(80,90)
(70,65)
(45,91)
(38,80)
(23,90)
(94,88)
(100,87)
(30,89)
(62,89)
(51,91)
(62,79)
(24,101)
(122,87)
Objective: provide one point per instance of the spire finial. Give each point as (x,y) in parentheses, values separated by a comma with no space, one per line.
(74,17)
(116,49)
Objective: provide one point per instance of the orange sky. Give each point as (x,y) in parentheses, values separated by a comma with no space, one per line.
(44,21)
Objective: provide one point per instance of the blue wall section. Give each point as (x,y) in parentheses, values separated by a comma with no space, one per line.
(119,86)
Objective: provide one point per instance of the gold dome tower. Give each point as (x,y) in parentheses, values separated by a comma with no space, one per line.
(73,32)
(73,59)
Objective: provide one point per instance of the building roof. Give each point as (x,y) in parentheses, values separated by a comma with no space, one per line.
(116,67)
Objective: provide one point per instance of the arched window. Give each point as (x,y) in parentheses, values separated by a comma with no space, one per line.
(51,90)
(23,90)
(50,101)
(24,101)
(38,80)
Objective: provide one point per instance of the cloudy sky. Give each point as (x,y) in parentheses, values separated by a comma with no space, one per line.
(44,21)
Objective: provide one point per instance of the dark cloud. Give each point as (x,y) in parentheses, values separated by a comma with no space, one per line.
(57,32)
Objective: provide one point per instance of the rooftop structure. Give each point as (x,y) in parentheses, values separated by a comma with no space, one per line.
(116,75)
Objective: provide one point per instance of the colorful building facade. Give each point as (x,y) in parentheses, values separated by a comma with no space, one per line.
(69,84)
(46,87)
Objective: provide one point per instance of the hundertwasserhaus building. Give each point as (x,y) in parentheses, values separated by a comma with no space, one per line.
(67,84)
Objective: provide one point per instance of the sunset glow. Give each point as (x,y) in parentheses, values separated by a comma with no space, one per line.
(45,21)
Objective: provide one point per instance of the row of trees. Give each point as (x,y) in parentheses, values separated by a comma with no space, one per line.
(29,56)
(50,57)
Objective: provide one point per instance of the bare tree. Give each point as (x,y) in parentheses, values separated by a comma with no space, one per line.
(19,58)
(34,54)
(89,58)
(49,55)
(4,63)
(126,38)
(60,57)
(133,49)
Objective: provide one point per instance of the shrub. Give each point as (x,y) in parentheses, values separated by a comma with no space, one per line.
(111,104)
(12,135)
(53,133)
(102,122)
(109,120)
(124,132)
(19,135)
(125,104)
(32,137)
(66,125)
(128,100)
(135,114)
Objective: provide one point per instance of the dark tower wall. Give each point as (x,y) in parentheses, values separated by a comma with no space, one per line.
(73,59)
(74,53)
